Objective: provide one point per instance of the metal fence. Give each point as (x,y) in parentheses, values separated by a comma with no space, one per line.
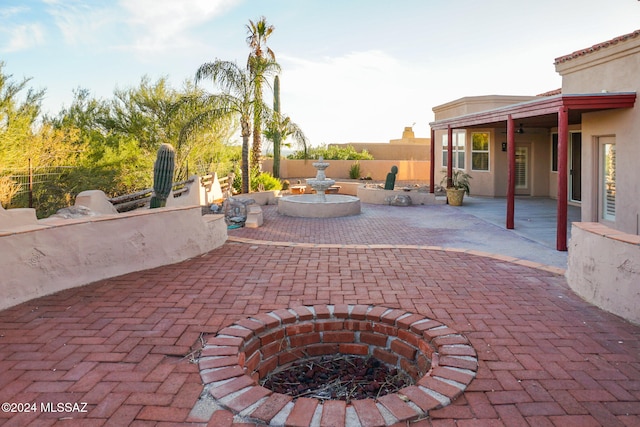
(25,179)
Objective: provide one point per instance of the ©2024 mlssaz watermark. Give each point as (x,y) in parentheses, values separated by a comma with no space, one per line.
(62,407)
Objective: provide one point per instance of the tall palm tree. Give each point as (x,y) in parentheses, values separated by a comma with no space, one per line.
(237,97)
(258,34)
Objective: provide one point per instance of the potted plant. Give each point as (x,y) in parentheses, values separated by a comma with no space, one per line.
(459,186)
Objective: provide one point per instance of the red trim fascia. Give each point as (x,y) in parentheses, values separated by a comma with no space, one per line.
(599,102)
(540,107)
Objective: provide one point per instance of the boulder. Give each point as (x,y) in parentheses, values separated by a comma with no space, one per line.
(76,211)
(398,200)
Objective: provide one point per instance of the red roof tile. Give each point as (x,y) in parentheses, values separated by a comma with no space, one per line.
(551,92)
(596,47)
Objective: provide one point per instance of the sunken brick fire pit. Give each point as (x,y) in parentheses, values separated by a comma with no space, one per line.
(440,362)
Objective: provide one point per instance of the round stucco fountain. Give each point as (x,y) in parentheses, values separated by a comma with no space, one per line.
(319,205)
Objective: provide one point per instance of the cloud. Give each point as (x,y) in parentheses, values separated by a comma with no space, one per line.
(19,35)
(370,96)
(80,22)
(139,25)
(158,24)
(359,94)
(22,37)
(9,12)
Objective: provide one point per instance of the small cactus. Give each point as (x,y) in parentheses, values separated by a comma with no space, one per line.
(163,175)
(390,182)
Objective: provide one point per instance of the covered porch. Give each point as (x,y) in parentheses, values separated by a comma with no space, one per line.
(534,219)
(549,112)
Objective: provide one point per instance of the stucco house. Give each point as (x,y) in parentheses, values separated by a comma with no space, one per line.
(579,144)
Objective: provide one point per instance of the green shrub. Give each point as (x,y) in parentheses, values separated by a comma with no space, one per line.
(262,181)
(8,189)
(265,182)
(332,153)
(354,171)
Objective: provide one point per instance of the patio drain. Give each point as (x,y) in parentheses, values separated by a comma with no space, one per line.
(439,360)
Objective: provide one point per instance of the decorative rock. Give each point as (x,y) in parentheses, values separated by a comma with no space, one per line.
(77,211)
(398,200)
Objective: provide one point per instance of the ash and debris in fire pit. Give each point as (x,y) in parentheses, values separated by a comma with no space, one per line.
(339,377)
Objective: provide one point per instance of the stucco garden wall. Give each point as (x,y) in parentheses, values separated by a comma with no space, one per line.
(50,255)
(408,170)
(384,151)
(604,268)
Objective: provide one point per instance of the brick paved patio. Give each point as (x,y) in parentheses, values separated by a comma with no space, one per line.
(125,346)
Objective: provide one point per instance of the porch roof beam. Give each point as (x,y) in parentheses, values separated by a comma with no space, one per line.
(540,107)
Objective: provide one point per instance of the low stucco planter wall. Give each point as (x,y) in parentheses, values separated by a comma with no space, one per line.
(377,196)
(604,268)
(263,197)
(349,188)
(57,254)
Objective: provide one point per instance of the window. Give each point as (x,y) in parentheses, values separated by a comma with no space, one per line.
(458,149)
(480,151)
(522,175)
(554,152)
(608,184)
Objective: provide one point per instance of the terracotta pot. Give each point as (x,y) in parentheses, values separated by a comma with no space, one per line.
(455,196)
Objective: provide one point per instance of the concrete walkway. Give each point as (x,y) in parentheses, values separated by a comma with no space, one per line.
(535,218)
(127,347)
(478,225)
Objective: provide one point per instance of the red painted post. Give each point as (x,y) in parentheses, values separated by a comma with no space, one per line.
(511,172)
(432,167)
(563,145)
(449,157)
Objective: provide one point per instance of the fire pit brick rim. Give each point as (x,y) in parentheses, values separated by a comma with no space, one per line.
(458,362)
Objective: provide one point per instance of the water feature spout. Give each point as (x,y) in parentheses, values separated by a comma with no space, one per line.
(319,205)
(320,183)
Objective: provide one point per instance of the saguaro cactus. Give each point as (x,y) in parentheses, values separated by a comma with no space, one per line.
(163,175)
(277,136)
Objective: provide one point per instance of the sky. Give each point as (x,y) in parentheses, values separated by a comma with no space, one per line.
(352,70)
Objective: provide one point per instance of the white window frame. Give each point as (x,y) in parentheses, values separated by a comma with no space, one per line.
(459,148)
(487,151)
(523,151)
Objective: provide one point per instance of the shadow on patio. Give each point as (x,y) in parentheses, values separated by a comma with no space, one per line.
(129,347)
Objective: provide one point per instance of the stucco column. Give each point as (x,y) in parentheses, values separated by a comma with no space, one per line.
(449,157)
(432,165)
(511,172)
(563,145)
